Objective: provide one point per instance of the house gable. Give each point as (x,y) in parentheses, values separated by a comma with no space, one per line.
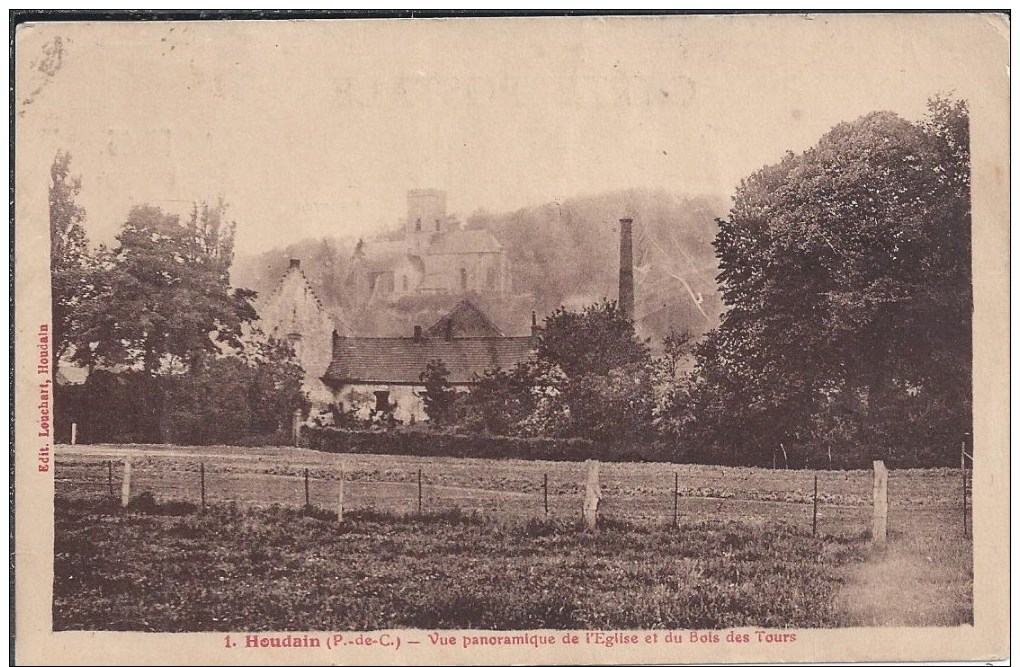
(466,320)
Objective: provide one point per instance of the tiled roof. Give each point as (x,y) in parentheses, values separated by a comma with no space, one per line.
(402,360)
(464,241)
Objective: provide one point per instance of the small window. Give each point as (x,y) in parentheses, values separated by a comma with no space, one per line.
(417,225)
(403,282)
(490,277)
(437,224)
(382,401)
(463,279)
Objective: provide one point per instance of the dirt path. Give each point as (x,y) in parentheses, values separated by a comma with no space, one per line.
(914,580)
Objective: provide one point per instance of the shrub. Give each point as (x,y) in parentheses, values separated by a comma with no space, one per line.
(426,443)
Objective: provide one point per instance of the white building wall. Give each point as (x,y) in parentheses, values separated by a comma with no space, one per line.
(294,309)
(361,398)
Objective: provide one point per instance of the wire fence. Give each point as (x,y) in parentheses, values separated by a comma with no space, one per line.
(823,502)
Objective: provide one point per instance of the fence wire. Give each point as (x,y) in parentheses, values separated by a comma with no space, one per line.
(648,493)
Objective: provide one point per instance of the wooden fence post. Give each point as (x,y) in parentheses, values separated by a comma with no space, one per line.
(74,433)
(201,476)
(881,499)
(308,498)
(342,473)
(125,486)
(545,493)
(592,495)
(676,500)
(814,512)
(109,476)
(419,490)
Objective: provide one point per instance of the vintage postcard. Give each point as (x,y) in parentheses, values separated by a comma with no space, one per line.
(536,340)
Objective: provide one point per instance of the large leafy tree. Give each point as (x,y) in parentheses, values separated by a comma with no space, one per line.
(591,377)
(169,300)
(846,272)
(606,393)
(595,340)
(166,301)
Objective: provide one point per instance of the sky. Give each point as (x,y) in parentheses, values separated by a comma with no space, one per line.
(317,128)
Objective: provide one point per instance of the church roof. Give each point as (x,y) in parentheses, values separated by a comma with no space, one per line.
(465,320)
(381,256)
(402,360)
(463,241)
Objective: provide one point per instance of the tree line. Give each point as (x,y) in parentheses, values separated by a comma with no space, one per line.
(171,352)
(562,252)
(846,275)
(844,270)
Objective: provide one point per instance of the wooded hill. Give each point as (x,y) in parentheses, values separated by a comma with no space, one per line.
(562,253)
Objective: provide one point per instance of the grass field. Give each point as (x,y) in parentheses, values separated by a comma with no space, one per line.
(484,553)
(287,569)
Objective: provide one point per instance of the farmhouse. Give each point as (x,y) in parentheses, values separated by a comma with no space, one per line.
(384,374)
(293,312)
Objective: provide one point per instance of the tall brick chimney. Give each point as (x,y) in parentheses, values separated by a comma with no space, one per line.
(626,301)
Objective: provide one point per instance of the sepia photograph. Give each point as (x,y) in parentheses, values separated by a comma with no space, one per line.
(588,339)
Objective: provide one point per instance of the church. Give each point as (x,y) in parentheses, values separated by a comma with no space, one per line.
(415,279)
(358,358)
(434,257)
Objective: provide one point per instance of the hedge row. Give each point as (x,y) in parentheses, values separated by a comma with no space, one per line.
(438,443)
(422,443)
